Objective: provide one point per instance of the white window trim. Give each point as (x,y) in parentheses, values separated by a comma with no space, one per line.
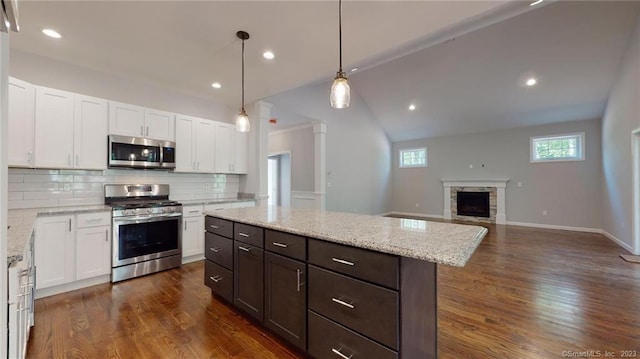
(426,160)
(581,146)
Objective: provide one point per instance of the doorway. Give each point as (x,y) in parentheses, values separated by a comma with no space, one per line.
(279,179)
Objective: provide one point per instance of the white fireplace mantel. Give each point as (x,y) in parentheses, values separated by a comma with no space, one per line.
(499,184)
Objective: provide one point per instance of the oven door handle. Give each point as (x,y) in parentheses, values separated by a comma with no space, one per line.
(144,219)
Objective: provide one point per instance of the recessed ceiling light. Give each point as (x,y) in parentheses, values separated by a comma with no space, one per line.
(51,33)
(354,69)
(216,85)
(268,55)
(412,107)
(531,81)
(536,3)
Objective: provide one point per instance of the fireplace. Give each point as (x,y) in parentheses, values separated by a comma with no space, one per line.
(474,204)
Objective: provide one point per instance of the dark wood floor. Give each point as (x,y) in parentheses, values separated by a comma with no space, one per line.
(526,293)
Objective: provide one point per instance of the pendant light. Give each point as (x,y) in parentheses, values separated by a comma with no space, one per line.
(340,91)
(242,121)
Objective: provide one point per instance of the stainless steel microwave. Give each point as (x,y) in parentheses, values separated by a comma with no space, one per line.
(136,152)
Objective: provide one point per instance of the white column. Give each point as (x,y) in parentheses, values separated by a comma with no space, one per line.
(501,211)
(320,164)
(447,202)
(263,112)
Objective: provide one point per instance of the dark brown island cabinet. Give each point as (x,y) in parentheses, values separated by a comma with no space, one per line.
(326,299)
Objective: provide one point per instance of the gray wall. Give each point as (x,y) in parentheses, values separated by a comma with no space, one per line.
(621,117)
(300,143)
(568,191)
(358,150)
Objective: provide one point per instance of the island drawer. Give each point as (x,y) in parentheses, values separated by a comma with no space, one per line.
(287,244)
(249,234)
(219,226)
(219,279)
(219,250)
(363,264)
(331,340)
(360,306)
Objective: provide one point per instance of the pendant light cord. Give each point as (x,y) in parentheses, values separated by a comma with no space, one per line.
(340,30)
(243,74)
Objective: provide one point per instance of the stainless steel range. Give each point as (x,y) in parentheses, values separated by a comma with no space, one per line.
(147,235)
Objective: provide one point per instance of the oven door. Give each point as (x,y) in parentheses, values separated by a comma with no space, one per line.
(142,238)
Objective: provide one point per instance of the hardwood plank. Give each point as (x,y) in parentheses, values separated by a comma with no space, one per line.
(525,293)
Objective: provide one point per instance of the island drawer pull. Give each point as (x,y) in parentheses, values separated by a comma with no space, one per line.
(215,227)
(215,250)
(244,248)
(216,278)
(342,261)
(278,244)
(339,353)
(341,302)
(242,234)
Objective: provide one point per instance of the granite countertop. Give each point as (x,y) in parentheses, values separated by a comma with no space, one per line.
(442,243)
(21,223)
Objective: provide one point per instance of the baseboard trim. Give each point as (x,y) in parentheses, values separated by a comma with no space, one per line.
(617,241)
(436,216)
(553,226)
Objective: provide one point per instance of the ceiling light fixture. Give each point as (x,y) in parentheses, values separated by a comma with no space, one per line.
(268,55)
(532,81)
(536,3)
(242,121)
(412,107)
(354,69)
(340,91)
(216,85)
(51,33)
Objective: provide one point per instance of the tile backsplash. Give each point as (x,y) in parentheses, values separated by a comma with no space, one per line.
(29,188)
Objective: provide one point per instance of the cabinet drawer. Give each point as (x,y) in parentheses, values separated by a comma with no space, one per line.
(249,234)
(331,340)
(192,211)
(219,226)
(219,250)
(371,266)
(93,219)
(363,307)
(219,279)
(287,244)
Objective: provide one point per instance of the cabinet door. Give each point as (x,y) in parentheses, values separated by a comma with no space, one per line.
(90,133)
(93,252)
(126,120)
(225,134)
(54,128)
(240,158)
(185,157)
(54,251)
(285,298)
(192,236)
(248,271)
(159,125)
(204,146)
(21,105)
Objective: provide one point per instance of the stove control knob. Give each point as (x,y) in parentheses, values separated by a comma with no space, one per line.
(149,210)
(169,209)
(128,212)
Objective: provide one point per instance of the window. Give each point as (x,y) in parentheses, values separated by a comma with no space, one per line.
(569,147)
(415,157)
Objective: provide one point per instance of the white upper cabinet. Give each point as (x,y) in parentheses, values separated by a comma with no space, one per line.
(136,121)
(90,133)
(54,128)
(224,147)
(241,152)
(21,123)
(194,144)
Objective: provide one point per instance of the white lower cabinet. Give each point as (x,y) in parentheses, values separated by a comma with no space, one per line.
(21,278)
(192,233)
(71,248)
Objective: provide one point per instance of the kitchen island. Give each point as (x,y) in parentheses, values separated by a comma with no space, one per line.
(336,285)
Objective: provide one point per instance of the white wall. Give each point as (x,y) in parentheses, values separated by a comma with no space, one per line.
(621,117)
(299,142)
(4,124)
(358,150)
(568,191)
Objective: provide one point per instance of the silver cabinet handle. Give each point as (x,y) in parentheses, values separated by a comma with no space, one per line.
(147,131)
(300,283)
(341,302)
(244,249)
(106,237)
(141,130)
(69,160)
(241,234)
(195,211)
(215,227)
(216,278)
(185,225)
(342,261)
(339,353)
(278,244)
(215,250)
(77,160)
(69,224)
(29,157)
(94,220)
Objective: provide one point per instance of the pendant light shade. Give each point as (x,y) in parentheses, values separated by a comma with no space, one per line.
(340,90)
(242,121)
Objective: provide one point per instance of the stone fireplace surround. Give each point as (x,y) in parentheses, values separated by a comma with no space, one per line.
(497,186)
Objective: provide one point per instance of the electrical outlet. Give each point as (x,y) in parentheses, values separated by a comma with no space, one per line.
(519,184)
(544,212)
